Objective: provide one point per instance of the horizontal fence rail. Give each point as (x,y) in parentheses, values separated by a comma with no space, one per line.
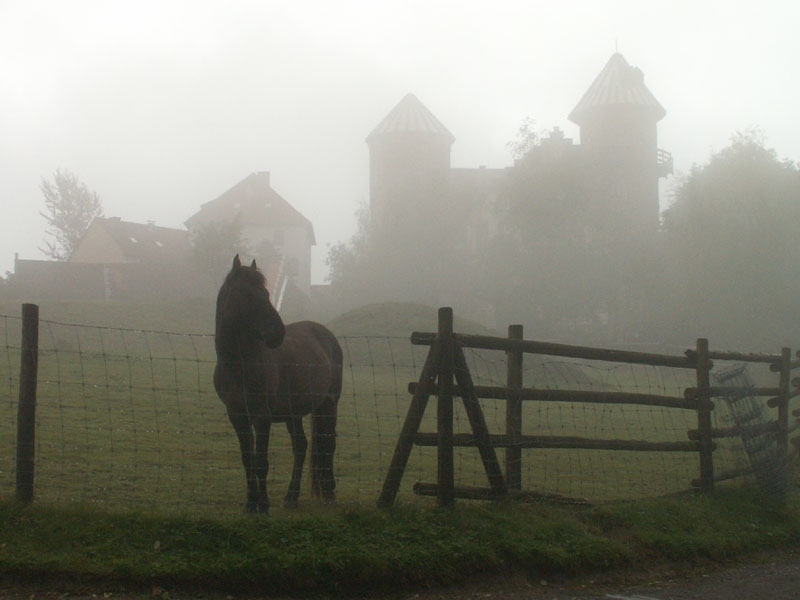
(128,418)
(481,342)
(554,395)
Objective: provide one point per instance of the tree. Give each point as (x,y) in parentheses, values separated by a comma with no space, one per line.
(346,260)
(415,253)
(215,244)
(70,207)
(734,246)
(526,139)
(548,262)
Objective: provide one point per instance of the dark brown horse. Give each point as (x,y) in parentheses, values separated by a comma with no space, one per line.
(270,373)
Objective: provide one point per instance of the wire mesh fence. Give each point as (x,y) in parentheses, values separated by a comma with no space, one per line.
(757,448)
(130,419)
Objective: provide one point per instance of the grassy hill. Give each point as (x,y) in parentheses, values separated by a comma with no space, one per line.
(396,319)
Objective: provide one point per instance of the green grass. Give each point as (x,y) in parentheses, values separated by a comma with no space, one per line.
(128,419)
(348,548)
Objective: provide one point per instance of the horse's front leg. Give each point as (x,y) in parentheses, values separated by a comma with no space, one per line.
(262,427)
(244,432)
(299,447)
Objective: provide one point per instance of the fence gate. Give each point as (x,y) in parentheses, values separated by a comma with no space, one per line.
(446,374)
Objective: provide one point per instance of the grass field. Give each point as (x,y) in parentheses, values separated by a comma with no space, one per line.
(127,416)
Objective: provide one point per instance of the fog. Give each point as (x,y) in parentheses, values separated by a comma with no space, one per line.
(160,107)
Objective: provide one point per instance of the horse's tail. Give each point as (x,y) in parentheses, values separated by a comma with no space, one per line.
(323,430)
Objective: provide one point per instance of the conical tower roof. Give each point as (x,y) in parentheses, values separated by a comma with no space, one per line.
(618,84)
(410,116)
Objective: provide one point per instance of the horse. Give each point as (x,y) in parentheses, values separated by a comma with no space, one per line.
(268,372)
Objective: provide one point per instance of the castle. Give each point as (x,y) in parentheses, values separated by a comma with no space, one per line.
(409,151)
(617,161)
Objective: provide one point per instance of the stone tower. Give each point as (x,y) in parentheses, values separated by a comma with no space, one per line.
(617,117)
(409,156)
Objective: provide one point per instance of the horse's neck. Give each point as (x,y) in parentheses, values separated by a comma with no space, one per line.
(237,347)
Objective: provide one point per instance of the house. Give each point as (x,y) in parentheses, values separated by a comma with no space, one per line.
(118,260)
(271,227)
(112,240)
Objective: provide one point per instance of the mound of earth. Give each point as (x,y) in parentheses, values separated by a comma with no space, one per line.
(396,319)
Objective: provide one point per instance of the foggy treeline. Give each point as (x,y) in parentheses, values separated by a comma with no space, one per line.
(552,254)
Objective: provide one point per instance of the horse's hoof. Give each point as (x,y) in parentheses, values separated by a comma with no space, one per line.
(290,503)
(328,500)
(263,507)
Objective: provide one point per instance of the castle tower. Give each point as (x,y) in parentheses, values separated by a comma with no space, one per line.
(617,117)
(409,156)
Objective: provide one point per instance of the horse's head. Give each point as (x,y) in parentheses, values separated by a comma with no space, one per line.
(243,306)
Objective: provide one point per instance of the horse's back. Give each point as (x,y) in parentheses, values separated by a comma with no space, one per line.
(311,367)
(310,332)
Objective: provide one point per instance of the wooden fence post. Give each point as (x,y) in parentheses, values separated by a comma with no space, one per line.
(444,414)
(405,442)
(703,369)
(514,412)
(785,386)
(26,409)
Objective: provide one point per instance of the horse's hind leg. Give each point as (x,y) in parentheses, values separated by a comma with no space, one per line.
(323,446)
(299,447)
(262,426)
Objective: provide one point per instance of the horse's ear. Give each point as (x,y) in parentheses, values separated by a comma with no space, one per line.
(237,264)
(253,264)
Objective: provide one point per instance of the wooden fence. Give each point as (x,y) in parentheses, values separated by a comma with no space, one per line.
(446,374)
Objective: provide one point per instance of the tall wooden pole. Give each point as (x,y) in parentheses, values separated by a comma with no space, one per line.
(785,386)
(514,411)
(26,409)
(704,416)
(445,474)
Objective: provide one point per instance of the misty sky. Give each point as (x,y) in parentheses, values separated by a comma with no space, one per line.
(162,106)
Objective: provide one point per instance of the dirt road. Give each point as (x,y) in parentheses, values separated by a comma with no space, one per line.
(775,579)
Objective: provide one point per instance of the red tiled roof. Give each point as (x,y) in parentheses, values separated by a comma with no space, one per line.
(146,242)
(255,202)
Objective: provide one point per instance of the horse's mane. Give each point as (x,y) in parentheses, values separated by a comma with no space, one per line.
(251,275)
